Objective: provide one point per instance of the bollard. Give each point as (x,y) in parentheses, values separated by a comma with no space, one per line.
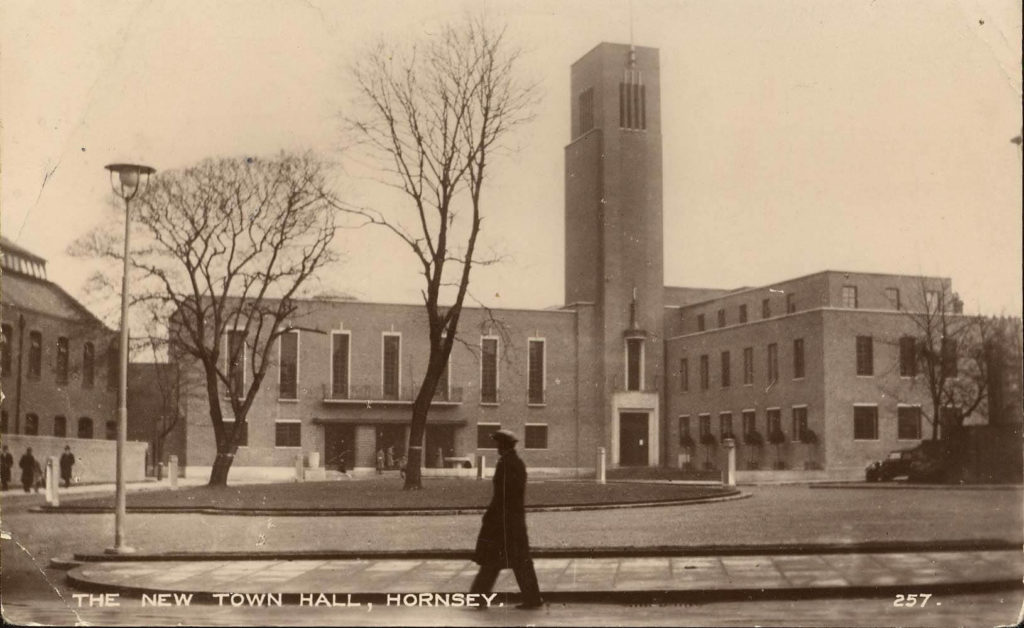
(159,471)
(298,468)
(52,496)
(729,473)
(440,458)
(601,479)
(314,460)
(481,466)
(172,471)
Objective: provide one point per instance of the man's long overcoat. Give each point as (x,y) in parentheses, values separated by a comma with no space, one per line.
(503,540)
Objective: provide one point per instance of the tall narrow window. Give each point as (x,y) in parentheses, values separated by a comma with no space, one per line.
(113,364)
(62,360)
(236,362)
(288,383)
(743,313)
(725,425)
(865,422)
(31,424)
(634,363)
(489,370)
(391,375)
(339,365)
(774,423)
(766,308)
(893,296)
(536,375)
(704,373)
(908,356)
(60,426)
(721,318)
(798,358)
(749,422)
(88,365)
(799,422)
(726,370)
(700,322)
(5,350)
(35,355)
(586,110)
(85,427)
(685,439)
(704,427)
(773,363)
(850,297)
(632,108)
(684,375)
(865,355)
(790,303)
(748,365)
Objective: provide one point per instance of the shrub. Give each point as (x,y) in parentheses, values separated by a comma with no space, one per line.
(753,438)
(708,439)
(776,437)
(808,436)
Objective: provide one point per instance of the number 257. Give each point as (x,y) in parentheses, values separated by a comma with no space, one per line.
(910,600)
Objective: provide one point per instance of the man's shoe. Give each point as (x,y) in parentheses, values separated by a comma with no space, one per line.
(529,606)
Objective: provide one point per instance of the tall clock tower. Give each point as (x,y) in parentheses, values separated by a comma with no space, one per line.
(613,240)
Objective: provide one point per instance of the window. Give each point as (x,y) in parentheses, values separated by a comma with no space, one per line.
(726,370)
(31,424)
(865,355)
(790,303)
(4,426)
(748,365)
(243,438)
(774,421)
(288,376)
(721,318)
(287,434)
(773,363)
(849,297)
(725,424)
(35,354)
(893,296)
(535,379)
(85,427)
(798,358)
(88,365)
(634,363)
(5,349)
(339,365)
(865,422)
(483,435)
(60,426)
(705,426)
(743,313)
(908,356)
(684,375)
(749,422)
(536,436)
(799,422)
(700,322)
(62,360)
(236,362)
(489,370)
(632,110)
(586,110)
(908,422)
(766,308)
(391,375)
(704,375)
(111,430)
(932,300)
(113,365)
(684,431)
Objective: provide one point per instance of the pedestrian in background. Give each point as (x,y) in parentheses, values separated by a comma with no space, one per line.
(380,462)
(67,461)
(6,465)
(503,542)
(28,465)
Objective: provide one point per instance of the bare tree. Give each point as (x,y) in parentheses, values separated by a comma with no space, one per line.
(433,115)
(223,250)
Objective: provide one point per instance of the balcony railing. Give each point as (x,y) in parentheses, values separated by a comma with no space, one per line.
(375,394)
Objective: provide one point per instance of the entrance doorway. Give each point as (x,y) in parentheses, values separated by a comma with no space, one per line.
(390,442)
(440,442)
(339,447)
(633,439)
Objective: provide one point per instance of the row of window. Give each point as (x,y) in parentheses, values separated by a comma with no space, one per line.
(865,422)
(60,426)
(766,312)
(286,433)
(535,435)
(725,366)
(772,423)
(61,359)
(391,367)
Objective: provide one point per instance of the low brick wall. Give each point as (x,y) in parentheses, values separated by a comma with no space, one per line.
(95,459)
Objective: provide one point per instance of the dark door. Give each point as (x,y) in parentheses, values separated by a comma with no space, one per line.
(339,446)
(633,439)
(440,444)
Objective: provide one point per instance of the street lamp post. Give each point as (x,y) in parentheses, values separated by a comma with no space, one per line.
(131,180)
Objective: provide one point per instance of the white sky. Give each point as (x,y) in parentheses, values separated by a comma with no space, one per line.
(799,135)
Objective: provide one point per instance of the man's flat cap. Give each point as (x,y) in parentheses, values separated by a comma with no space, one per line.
(505,436)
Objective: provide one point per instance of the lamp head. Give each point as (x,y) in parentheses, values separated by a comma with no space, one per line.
(129,176)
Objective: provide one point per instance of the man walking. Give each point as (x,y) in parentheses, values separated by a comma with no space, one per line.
(27,464)
(6,465)
(67,460)
(503,542)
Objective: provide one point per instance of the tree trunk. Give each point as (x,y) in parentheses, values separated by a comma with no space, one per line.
(417,430)
(221,466)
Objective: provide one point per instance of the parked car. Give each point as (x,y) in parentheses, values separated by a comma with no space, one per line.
(896,464)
